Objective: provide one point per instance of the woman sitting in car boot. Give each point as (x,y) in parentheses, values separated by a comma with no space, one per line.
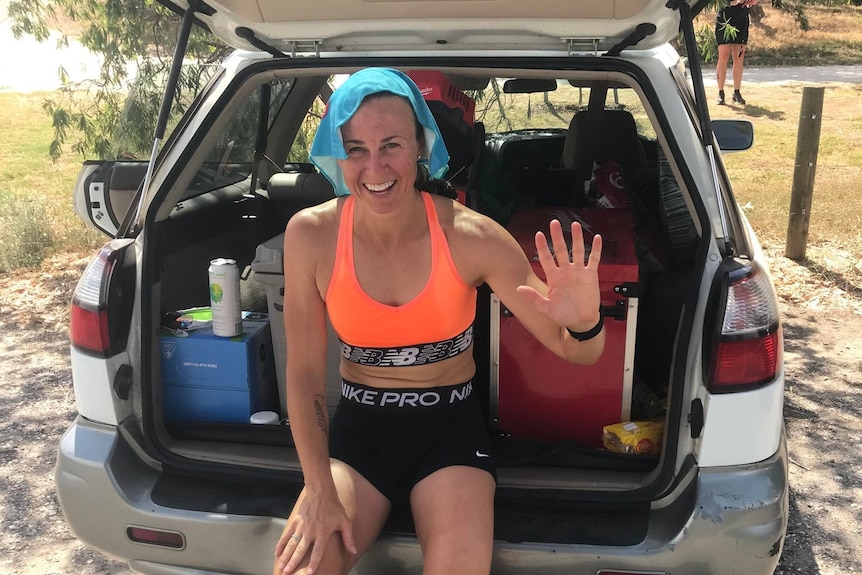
(396,270)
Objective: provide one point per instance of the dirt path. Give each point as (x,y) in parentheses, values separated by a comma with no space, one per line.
(823,414)
(823,411)
(36,406)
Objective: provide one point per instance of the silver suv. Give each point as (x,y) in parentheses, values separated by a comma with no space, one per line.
(666,457)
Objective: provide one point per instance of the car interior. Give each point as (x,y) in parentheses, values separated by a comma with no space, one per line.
(564,155)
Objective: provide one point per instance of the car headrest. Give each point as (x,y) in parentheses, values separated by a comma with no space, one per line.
(293,191)
(616,139)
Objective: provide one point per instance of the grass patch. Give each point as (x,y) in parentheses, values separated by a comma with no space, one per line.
(833,52)
(763,176)
(36,216)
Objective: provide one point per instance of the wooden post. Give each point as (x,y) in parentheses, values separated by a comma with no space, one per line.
(807,145)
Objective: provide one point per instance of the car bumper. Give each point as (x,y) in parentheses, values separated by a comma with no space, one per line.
(737,525)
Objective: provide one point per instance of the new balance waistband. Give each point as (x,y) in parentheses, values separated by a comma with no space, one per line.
(408,355)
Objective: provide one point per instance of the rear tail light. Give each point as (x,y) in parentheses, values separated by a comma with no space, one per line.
(748,348)
(101,303)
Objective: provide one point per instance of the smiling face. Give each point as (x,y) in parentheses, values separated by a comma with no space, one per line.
(383,147)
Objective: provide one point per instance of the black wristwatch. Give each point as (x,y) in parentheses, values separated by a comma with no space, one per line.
(590,334)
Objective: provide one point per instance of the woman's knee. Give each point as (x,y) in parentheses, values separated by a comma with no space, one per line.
(469,563)
(453,510)
(464,547)
(336,560)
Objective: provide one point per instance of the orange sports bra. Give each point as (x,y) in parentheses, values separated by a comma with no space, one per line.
(435,325)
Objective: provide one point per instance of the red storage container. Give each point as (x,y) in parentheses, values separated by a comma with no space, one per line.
(454,112)
(535,394)
(436,87)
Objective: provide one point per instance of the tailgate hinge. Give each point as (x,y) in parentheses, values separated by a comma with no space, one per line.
(305,48)
(582,45)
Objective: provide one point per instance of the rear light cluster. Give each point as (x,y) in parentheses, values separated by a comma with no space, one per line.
(101,303)
(748,348)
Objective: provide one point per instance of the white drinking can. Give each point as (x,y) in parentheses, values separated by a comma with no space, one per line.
(224,297)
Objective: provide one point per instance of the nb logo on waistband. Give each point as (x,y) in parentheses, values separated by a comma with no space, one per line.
(408,355)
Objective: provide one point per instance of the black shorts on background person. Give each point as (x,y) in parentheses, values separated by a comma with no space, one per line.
(731,36)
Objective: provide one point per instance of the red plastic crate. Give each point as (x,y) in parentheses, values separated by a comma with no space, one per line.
(539,396)
(436,87)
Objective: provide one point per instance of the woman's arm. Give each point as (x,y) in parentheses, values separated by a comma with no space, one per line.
(570,298)
(305,335)
(320,512)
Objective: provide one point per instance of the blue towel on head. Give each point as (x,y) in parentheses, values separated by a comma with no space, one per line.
(328,145)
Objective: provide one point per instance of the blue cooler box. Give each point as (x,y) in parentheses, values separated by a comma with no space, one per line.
(208,378)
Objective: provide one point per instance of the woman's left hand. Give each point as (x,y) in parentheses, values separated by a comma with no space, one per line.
(573,286)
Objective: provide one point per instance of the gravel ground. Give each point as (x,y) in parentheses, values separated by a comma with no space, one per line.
(36,406)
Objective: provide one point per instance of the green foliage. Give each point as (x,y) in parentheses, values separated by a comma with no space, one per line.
(707,43)
(727,30)
(136,40)
(25,234)
(30,17)
(129,135)
(301,149)
(32,228)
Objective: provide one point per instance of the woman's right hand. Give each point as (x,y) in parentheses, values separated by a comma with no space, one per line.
(310,528)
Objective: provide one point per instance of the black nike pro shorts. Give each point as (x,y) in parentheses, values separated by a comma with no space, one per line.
(395,438)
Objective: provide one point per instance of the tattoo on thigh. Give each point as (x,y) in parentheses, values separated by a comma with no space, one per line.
(322,414)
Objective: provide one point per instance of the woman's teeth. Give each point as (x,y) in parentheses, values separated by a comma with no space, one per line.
(377,188)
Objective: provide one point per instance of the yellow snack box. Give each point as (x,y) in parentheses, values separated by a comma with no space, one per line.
(634,437)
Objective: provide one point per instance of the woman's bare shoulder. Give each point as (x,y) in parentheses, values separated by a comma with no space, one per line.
(313,223)
(479,245)
(481,230)
(312,233)
(460,222)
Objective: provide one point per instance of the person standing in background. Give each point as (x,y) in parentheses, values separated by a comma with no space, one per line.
(731,35)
